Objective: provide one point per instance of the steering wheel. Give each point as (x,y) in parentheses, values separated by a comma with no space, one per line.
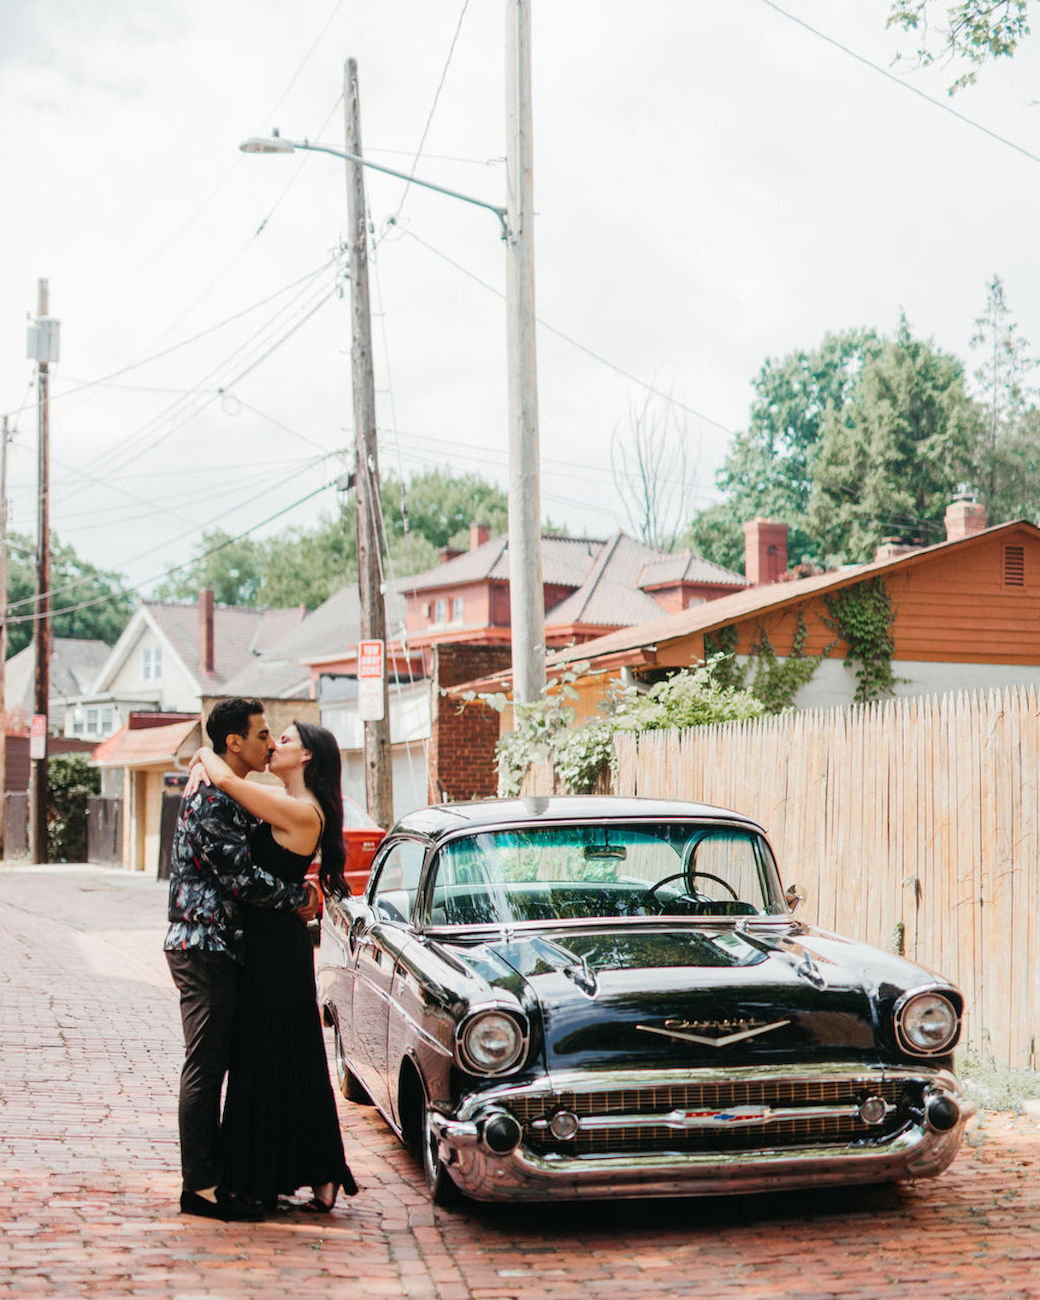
(651,893)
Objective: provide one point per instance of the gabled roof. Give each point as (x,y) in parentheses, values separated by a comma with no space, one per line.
(610,594)
(565,562)
(687,567)
(283,671)
(74,665)
(756,600)
(239,634)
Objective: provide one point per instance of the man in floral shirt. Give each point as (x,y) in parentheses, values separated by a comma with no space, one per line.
(212,873)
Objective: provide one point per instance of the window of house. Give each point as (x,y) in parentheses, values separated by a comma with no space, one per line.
(438,611)
(151,663)
(107,719)
(92,722)
(456,609)
(77,723)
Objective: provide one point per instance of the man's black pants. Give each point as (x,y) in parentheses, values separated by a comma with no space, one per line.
(208,985)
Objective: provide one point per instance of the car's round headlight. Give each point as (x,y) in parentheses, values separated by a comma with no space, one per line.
(490,1042)
(927,1024)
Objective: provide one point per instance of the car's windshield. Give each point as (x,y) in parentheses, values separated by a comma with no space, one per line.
(603,870)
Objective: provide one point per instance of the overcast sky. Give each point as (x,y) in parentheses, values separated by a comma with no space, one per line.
(714,183)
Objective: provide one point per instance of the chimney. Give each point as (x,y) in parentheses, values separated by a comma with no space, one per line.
(965,516)
(765,551)
(448,553)
(478,535)
(207,657)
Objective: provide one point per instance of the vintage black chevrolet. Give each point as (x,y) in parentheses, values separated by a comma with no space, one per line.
(586,997)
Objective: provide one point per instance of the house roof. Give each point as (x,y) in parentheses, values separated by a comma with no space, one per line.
(75,663)
(283,672)
(145,746)
(610,595)
(239,635)
(754,600)
(565,563)
(687,567)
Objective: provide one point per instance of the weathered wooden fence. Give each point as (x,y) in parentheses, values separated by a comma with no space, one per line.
(913,824)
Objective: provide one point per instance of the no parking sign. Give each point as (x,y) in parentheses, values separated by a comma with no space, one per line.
(371,671)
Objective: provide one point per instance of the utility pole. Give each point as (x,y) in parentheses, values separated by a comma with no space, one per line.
(527,601)
(378,760)
(43,349)
(3,630)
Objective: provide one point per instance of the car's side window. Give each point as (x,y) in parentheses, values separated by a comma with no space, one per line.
(393,892)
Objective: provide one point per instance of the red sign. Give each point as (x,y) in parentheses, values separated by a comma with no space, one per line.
(371,658)
(38,736)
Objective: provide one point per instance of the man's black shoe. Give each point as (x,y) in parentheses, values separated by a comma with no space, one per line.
(227,1207)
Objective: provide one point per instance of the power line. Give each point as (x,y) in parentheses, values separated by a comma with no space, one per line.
(105,380)
(137,587)
(433,108)
(543,324)
(930,99)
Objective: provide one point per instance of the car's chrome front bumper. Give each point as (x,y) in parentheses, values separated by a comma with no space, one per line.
(917,1150)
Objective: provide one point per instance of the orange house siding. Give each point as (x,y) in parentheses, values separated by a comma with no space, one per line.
(954,608)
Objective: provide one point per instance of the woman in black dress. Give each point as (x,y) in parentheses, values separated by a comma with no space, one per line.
(280,1129)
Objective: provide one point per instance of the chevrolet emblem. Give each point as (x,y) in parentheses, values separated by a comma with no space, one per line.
(739,1030)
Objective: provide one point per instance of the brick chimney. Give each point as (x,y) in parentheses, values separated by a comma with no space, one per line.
(765,551)
(964,517)
(478,535)
(207,654)
(448,553)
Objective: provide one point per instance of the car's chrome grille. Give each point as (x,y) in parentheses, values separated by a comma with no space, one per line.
(775,1131)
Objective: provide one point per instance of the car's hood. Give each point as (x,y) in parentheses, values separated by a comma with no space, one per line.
(683,995)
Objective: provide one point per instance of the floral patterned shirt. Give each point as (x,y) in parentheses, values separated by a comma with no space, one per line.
(212,872)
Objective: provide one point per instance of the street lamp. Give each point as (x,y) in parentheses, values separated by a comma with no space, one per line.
(527,617)
(276,143)
(527,609)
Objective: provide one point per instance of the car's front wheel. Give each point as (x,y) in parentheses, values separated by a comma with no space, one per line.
(441,1186)
(349,1084)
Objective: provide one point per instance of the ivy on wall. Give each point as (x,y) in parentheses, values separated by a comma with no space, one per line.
(768,678)
(862,616)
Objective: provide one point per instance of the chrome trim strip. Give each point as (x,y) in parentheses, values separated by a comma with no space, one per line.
(731,1117)
(524,1176)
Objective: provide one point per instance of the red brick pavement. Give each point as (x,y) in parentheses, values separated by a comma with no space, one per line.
(89,1056)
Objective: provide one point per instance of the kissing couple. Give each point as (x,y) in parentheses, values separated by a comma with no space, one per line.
(241,957)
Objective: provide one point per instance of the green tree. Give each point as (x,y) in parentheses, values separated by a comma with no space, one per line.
(1007,454)
(86,602)
(889,462)
(441,506)
(769,470)
(306,565)
(231,566)
(971,32)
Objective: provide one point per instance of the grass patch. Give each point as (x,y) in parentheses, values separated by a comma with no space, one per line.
(993,1086)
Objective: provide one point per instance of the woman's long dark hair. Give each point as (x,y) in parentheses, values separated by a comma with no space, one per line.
(321,775)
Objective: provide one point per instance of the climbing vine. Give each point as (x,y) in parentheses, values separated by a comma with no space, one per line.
(768,678)
(862,616)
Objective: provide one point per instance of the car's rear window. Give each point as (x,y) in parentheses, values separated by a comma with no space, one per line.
(645,869)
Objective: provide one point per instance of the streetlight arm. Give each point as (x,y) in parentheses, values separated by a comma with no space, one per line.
(279,144)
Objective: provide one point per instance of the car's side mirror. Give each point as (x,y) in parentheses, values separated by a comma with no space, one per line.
(793,896)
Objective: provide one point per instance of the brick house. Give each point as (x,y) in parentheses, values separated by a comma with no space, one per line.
(454,625)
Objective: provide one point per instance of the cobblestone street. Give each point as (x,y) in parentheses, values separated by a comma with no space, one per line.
(89,1175)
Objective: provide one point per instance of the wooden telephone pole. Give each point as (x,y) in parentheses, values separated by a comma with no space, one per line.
(43,349)
(379,790)
(526,594)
